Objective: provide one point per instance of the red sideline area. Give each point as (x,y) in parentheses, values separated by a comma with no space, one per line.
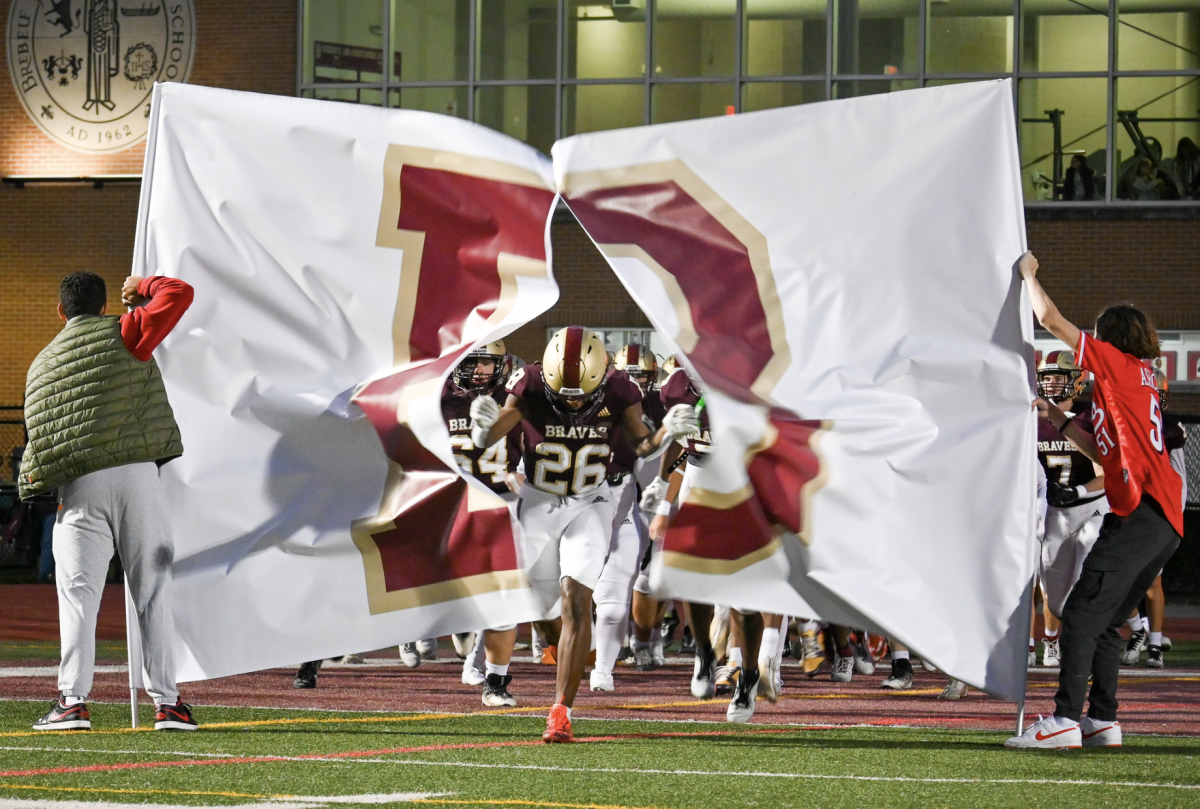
(1167,704)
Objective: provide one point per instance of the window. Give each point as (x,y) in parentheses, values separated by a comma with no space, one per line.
(1097,94)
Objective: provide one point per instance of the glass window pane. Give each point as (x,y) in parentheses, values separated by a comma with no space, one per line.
(1157,129)
(785,37)
(430,39)
(851,89)
(767,95)
(517,39)
(682,102)
(969,36)
(603,42)
(444,100)
(1167,39)
(1061,118)
(368,95)
(343,41)
(1061,35)
(525,113)
(877,36)
(595,107)
(693,37)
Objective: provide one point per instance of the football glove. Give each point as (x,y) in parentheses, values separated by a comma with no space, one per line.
(654,494)
(484,412)
(681,420)
(1061,496)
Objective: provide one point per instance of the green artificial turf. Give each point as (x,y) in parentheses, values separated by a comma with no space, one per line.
(107,651)
(684,771)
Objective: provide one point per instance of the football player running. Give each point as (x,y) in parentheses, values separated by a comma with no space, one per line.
(630,537)
(570,410)
(481,375)
(1075,497)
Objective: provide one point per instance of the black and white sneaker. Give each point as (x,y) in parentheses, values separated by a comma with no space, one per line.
(1154,657)
(64,717)
(1133,648)
(495,691)
(306,677)
(741,707)
(901,678)
(704,674)
(174,717)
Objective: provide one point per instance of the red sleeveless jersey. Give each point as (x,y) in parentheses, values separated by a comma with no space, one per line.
(1128,425)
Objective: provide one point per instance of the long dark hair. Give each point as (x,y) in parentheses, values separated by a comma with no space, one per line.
(1124,326)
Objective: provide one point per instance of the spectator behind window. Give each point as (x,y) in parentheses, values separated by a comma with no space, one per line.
(1187,169)
(1079,185)
(1148,183)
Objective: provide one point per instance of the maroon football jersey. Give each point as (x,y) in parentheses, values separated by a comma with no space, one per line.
(1063,462)
(678,389)
(623,457)
(487,464)
(569,456)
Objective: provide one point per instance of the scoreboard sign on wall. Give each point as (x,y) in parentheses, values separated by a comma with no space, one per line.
(1180,359)
(84,69)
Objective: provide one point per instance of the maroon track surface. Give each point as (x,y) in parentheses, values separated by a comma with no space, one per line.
(1167,704)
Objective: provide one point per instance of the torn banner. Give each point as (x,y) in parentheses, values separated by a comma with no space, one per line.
(839,276)
(343,258)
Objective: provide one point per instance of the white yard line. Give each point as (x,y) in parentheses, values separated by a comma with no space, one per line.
(288,802)
(52,671)
(122,752)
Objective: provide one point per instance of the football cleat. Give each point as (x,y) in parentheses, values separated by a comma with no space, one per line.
(174,717)
(1154,657)
(495,691)
(901,678)
(352,660)
(741,707)
(687,643)
(643,658)
(1031,659)
(549,656)
(409,655)
(813,654)
(955,689)
(843,669)
(864,662)
(306,677)
(657,654)
(558,726)
(602,681)
(463,642)
(63,717)
(1095,733)
(770,681)
(472,674)
(925,664)
(428,648)
(1048,733)
(704,675)
(1050,653)
(726,679)
(1133,648)
(1166,644)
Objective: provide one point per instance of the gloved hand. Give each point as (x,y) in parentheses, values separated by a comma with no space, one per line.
(484,412)
(681,420)
(654,494)
(1061,496)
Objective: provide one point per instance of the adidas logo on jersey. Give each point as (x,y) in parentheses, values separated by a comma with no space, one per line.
(599,500)
(604,413)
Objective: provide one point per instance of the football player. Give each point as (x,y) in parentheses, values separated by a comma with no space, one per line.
(630,537)
(1074,494)
(570,410)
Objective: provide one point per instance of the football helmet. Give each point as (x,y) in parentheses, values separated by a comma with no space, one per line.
(467,375)
(640,363)
(670,365)
(1057,375)
(574,371)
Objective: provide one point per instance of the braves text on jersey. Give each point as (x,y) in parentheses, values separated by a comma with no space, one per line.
(1128,424)
(569,456)
(1063,461)
(678,389)
(487,464)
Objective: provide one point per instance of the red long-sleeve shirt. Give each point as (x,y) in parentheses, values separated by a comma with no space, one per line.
(147,326)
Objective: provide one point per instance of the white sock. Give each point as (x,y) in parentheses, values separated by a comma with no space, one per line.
(1135,623)
(610,626)
(898,654)
(641,645)
(69,701)
(1051,635)
(769,642)
(493,668)
(734,656)
(1145,624)
(656,634)
(1032,642)
(1156,639)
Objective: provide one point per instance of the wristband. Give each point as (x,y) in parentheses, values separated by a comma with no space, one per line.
(1082,491)
(663,509)
(1063,428)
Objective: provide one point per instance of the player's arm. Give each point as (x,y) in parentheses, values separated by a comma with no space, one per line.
(669,457)
(490,422)
(1066,425)
(637,433)
(1096,484)
(1043,308)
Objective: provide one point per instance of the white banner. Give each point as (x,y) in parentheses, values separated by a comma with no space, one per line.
(840,278)
(326,246)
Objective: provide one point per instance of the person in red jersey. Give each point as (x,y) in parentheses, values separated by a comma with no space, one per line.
(570,409)
(1136,538)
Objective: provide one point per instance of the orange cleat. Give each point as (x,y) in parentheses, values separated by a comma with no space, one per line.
(549,655)
(558,726)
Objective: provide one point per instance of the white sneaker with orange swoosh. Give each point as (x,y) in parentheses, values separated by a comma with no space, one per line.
(1048,733)
(1097,733)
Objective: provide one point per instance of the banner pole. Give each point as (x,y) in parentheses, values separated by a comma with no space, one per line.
(133,652)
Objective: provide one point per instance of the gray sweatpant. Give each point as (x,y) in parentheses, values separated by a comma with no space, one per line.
(125,504)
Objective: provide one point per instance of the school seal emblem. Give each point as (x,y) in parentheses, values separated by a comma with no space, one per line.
(84,69)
